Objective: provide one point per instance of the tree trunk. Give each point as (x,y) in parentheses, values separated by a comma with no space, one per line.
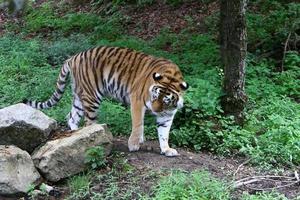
(233,54)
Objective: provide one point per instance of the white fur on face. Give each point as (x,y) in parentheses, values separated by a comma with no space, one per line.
(180,102)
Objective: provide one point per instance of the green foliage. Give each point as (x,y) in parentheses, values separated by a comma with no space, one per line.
(109,28)
(271,22)
(25,73)
(201,185)
(79,186)
(264,196)
(58,51)
(174,2)
(111,113)
(270,134)
(30,189)
(197,185)
(38,19)
(95,157)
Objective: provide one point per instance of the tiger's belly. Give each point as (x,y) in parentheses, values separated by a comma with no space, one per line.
(119,93)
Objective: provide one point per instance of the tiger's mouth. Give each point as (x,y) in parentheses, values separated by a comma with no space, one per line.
(158,106)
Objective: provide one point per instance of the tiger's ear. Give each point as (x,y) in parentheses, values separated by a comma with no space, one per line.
(184,85)
(157,76)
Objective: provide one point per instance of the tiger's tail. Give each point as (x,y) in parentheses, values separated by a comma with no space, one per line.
(57,95)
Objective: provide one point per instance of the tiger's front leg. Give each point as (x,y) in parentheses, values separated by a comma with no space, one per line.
(164,123)
(137,133)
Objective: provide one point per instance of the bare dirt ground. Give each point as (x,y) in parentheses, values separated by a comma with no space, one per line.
(229,169)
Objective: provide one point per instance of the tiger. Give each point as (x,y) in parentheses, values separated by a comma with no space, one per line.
(141,81)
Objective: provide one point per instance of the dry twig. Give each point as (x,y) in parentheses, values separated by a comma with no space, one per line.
(240,166)
(288,181)
(284,51)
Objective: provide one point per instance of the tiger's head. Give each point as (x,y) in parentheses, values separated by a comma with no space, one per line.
(166,93)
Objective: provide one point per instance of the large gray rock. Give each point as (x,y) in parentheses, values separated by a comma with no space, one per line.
(64,157)
(17,171)
(24,126)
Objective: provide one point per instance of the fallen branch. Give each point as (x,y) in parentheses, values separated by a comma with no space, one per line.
(240,166)
(284,51)
(282,179)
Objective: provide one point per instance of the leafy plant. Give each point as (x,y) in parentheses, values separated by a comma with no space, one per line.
(264,196)
(197,185)
(95,157)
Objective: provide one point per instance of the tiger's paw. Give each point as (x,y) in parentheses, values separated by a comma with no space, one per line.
(133,144)
(142,139)
(170,152)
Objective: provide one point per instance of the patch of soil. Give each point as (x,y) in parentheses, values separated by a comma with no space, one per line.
(148,21)
(225,168)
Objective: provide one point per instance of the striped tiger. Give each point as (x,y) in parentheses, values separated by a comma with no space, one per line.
(142,81)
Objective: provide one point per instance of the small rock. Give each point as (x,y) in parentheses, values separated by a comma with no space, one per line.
(149,148)
(17,171)
(64,157)
(46,188)
(24,126)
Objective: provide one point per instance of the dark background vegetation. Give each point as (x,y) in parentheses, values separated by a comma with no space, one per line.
(34,45)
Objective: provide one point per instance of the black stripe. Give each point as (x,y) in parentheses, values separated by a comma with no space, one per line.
(122,91)
(90,101)
(90,109)
(132,67)
(61,82)
(55,98)
(59,91)
(113,86)
(125,68)
(94,107)
(49,104)
(113,65)
(91,118)
(137,67)
(162,124)
(78,114)
(124,99)
(77,107)
(102,65)
(85,83)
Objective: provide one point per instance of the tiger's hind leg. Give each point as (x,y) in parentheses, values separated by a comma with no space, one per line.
(76,113)
(90,108)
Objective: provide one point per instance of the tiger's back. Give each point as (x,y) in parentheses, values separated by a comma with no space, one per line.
(114,71)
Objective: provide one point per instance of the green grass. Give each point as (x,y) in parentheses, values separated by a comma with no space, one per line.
(79,186)
(264,196)
(201,185)
(198,185)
